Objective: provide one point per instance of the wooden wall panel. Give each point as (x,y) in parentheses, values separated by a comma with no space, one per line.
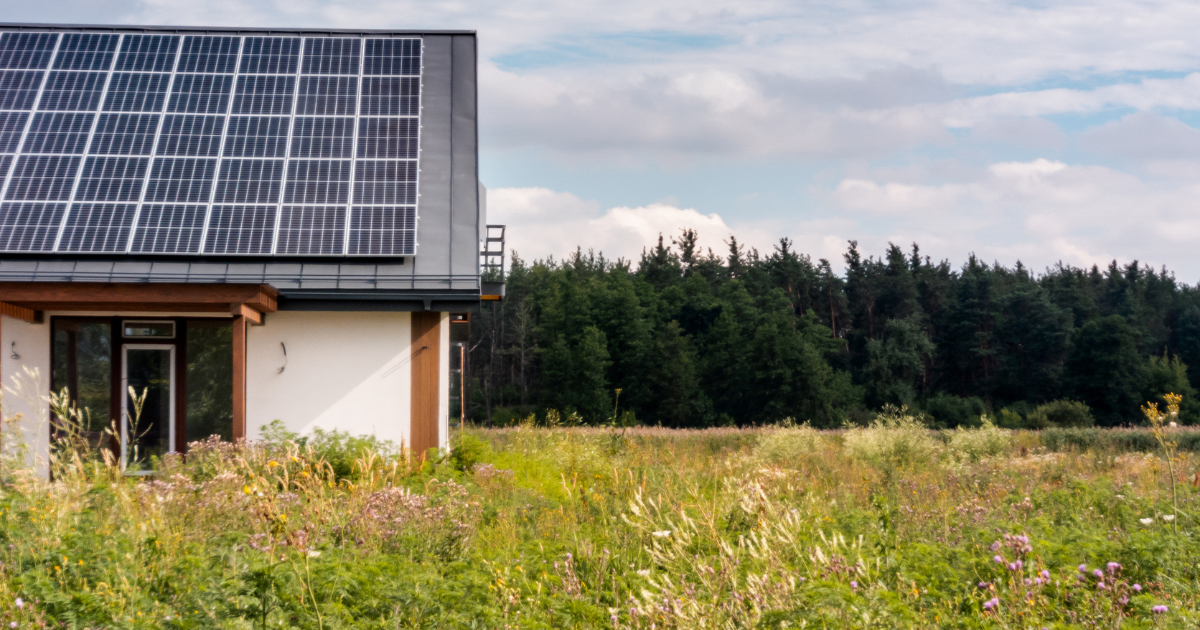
(426,343)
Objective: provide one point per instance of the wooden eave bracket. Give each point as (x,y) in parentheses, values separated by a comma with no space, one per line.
(21,313)
(244,310)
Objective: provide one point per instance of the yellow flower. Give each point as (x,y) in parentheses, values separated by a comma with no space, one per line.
(247,490)
(272,463)
(295,460)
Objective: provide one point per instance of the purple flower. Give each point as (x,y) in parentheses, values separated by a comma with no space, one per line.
(1101,586)
(1098,573)
(1159,609)
(854,584)
(998,559)
(1029,581)
(1137,588)
(991,603)
(984,585)
(1113,567)
(1045,574)
(1083,568)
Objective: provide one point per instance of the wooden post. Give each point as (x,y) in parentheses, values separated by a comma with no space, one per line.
(239,378)
(426,373)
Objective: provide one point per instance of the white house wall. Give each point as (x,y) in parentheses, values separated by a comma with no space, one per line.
(348,371)
(33,430)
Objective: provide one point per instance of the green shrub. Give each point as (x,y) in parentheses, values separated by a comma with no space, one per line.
(950,411)
(338,448)
(468,450)
(1060,413)
(975,444)
(894,438)
(788,444)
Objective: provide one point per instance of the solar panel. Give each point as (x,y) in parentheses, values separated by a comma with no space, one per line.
(191,135)
(86,51)
(30,227)
(270,55)
(256,136)
(124,134)
(149,53)
(58,133)
(112,179)
(26,50)
(170,143)
(312,230)
(97,227)
(382,231)
(11,126)
(169,229)
(249,181)
(137,92)
(240,230)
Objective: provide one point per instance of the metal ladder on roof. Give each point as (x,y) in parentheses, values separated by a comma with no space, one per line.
(491,258)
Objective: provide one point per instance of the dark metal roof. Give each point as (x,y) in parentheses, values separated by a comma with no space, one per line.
(282,275)
(228,29)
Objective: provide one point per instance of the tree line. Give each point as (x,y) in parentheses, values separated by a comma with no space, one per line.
(690,338)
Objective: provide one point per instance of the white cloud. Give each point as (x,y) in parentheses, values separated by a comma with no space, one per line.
(1042,211)
(543,222)
(1144,136)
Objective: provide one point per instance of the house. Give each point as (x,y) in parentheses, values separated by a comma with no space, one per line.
(240,225)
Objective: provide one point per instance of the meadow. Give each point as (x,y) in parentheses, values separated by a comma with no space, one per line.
(887,526)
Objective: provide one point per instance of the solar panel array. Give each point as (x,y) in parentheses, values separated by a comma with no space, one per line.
(211,144)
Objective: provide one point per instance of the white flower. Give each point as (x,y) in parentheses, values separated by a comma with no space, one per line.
(662,533)
(1145,521)
(1168,517)
(314,554)
(644,573)
(1172,425)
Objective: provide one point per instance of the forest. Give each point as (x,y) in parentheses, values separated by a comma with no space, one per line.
(687,337)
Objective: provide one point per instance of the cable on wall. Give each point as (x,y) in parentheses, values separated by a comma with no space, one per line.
(284,366)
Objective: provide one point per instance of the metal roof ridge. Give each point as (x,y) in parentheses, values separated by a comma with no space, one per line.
(232,29)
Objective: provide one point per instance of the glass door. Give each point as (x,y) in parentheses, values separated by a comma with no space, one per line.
(148,404)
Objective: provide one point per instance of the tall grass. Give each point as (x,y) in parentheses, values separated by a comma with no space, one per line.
(886,526)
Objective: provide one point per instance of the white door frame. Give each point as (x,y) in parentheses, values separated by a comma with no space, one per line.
(125,348)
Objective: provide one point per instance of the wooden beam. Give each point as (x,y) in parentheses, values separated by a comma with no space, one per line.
(426,372)
(20,312)
(261,297)
(251,315)
(239,378)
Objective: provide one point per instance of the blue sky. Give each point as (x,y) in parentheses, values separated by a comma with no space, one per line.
(1027,131)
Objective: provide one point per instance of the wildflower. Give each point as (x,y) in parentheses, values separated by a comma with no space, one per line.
(1098,573)
(12,625)
(854,584)
(20,603)
(1113,567)
(1045,574)
(991,603)
(1145,521)
(644,572)
(1168,517)
(247,490)
(984,585)
(998,559)
(272,464)
(1137,588)
(314,554)
(662,533)
(1083,568)
(1100,586)
(1159,609)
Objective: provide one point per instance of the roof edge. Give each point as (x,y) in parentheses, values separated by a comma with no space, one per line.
(226,29)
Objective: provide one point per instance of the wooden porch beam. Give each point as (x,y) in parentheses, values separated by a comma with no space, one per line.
(261,297)
(20,312)
(251,315)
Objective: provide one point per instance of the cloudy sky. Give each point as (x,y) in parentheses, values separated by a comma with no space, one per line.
(1023,130)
